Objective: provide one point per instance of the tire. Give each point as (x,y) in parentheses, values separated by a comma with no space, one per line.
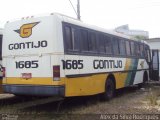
(109,90)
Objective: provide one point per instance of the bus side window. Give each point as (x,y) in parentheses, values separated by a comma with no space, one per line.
(108,45)
(84,40)
(122,47)
(101,43)
(137,49)
(115,46)
(128,48)
(142,50)
(71,38)
(68,38)
(75,39)
(133,48)
(92,41)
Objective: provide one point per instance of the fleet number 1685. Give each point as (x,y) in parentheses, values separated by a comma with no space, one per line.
(72,64)
(26,64)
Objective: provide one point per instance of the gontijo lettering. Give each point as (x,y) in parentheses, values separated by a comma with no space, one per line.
(27,45)
(103,64)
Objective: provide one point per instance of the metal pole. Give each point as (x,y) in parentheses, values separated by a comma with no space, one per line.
(78,10)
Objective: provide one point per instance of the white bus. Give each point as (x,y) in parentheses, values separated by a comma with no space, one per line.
(56,55)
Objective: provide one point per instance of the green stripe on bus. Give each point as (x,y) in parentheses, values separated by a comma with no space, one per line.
(131,75)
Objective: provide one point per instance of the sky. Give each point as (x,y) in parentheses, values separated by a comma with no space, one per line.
(109,14)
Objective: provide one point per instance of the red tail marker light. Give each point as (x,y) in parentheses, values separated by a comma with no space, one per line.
(56,72)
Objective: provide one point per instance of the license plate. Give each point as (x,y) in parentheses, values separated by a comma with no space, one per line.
(26,75)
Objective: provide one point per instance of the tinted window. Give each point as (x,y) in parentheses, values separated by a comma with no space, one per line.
(84,39)
(115,46)
(101,44)
(137,49)
(133,48)
(122,47)
(108,44)
(142,50)
(92,41)
(75,39)
(68,38)
(128,50)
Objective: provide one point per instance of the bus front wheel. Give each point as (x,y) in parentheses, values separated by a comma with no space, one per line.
(109,90)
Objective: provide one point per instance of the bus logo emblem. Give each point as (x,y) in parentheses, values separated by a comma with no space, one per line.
(25,30)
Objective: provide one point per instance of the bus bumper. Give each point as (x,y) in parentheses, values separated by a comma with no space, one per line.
(34,90)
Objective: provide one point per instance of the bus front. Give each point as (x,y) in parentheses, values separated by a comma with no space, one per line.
(28,48)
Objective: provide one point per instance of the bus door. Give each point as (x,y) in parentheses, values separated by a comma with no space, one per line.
(154,67)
